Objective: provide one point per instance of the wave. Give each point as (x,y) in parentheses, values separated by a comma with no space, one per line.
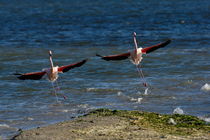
(178,110)
(100,89)
(132,99)
(4,125)
(206,119)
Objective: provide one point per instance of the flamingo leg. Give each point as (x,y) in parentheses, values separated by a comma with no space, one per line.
(54,91)
(140,72)
(58,88)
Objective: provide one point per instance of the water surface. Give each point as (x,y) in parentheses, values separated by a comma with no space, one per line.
(75,30)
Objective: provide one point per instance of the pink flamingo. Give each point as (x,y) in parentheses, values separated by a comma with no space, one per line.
(136,54)
(52,72)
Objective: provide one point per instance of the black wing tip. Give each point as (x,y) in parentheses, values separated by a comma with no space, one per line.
(98,55)
(84,60)
(22,77)
(168,41)
(102,57)
(25,77)
(19,76)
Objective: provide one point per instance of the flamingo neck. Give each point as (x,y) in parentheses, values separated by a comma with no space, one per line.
(135,41)
(51,62)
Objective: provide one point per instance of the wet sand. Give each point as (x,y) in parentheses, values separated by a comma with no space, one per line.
(106,124)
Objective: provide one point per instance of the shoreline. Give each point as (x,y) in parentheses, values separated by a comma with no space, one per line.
(121,124)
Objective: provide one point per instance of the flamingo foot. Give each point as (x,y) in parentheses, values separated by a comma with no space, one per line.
(145,84)
(64,97)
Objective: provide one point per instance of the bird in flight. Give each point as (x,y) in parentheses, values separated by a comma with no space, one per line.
(52,72)
(135,55)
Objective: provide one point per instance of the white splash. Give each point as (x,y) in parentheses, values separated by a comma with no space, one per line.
(132,99)
(146,91)
(205,119)
(84,106)
(173,97)
(30,118)
(205,87)
(139,100)
(178,110)
(119,93)
(4,125)
(91,89)
(65,110)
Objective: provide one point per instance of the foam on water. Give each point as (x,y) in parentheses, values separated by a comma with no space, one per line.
(30,118)
(205,87)
(4,126)
(139,100)
(178,110)
(65,110)
(91,89)
(129,98)
(206,119)
(146,91)
(119,93)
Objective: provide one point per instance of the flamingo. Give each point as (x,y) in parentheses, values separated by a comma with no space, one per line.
(135,55)
(52,72)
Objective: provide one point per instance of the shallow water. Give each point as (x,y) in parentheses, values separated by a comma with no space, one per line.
(75,30)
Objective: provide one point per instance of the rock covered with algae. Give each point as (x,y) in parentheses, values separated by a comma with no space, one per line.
(121,124)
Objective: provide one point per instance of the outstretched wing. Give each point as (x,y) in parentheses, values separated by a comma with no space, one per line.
(115,57)
(71,66)
(155,47)
(31,76)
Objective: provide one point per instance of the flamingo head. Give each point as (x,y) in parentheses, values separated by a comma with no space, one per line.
(134,34)
(50,52)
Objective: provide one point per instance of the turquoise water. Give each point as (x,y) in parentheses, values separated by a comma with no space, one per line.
(75,30)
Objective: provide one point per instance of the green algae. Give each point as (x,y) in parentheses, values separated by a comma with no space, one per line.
(184,124)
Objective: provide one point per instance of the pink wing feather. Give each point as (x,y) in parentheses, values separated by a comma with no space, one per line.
(71,66)
(115,57)
(155,47)
(31,76)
